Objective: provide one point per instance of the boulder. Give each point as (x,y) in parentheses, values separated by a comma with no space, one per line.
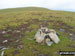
(54,37)
(40,38)
(37,34)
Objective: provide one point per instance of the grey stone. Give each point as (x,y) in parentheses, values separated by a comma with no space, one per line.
(62,30)
(2,53)
(1,47)
(20,47)
(17,40)
(3,50)
(54,37)
(4,32)
(70,34)
(5,41)
(37,34)
(23,28)
(18,31)
(72,38)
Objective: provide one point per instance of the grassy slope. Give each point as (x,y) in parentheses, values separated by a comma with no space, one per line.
(23,9)
(15,17)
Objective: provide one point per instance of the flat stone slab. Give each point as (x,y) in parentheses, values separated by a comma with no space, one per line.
(54,37)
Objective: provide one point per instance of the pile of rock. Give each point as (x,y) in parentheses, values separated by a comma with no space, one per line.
(46,36)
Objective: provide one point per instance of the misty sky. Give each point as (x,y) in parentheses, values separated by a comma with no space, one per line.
(67,5)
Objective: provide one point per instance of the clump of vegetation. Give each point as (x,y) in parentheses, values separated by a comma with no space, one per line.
(9,30)
(7,35)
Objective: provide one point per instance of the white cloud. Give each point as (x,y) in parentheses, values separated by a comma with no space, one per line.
(51,4)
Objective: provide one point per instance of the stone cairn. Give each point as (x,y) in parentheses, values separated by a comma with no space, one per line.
(46,36)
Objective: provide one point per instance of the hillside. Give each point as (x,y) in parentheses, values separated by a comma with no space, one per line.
(23,9)
(19,25)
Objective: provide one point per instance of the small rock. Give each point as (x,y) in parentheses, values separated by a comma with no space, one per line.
(62,30)
(17,40)
(1,47)
(5,41)
(2,53)
(70,34)
(72,38)
(18,31)
(23,28)
(4,48)
(3,32)
(20,47)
